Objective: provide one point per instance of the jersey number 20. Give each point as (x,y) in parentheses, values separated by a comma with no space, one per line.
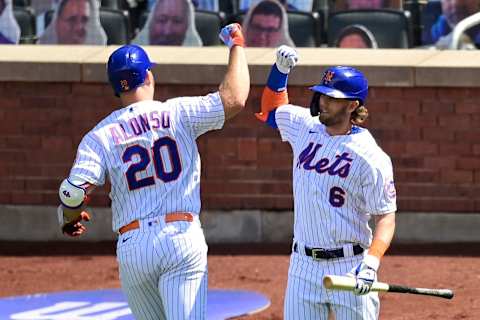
(158,163)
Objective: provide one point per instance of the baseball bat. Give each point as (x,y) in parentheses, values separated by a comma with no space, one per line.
(348,284)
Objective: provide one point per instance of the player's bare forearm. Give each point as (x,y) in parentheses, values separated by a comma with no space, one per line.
(366,271)
(74,199)
(384,231)
(236,85)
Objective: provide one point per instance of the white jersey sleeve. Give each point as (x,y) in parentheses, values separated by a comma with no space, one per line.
(89,165)
(379,191)
(290,119)
(202,114)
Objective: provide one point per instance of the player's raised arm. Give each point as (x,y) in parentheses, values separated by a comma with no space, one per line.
(275,92)
(235,86)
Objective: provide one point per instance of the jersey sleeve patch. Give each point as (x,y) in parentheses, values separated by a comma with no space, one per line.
(389,187)
(380,192)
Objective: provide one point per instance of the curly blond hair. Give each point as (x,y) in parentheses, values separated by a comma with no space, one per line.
(359,116)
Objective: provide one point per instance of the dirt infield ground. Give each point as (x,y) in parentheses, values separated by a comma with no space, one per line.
(27,269)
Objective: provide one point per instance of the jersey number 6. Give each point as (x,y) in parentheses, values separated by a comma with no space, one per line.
(337,197)
(158,162)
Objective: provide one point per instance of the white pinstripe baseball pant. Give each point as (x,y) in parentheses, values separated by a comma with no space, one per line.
(163,270)
(305,297)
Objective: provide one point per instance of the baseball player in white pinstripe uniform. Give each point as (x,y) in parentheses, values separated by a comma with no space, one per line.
(341,178)
(147,149)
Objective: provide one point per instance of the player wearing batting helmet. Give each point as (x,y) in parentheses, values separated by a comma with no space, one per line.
(148,151)
(341,178)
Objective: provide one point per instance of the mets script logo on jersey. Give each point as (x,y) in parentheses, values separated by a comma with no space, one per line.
(328,76)
(339,166)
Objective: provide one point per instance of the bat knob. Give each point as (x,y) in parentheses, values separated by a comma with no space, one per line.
(327,282)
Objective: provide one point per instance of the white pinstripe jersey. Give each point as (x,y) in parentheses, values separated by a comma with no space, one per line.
(338,181)
(149,153)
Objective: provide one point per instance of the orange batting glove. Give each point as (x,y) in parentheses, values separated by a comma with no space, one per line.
(232,35)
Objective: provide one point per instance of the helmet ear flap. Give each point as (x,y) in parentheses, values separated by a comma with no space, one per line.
(315,104)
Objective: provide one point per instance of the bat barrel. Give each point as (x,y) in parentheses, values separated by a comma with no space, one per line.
(348,284)
(442,293)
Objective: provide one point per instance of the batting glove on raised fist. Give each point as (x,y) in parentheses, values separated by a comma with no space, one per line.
(232,35)
(287,58)
(365,274)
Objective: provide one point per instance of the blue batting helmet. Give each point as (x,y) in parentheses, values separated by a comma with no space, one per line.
(344,83)
(127,68)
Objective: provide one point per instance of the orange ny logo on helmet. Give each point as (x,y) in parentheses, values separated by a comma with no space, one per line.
(124,84)
(328,76)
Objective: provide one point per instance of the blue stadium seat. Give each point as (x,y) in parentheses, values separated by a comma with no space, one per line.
(26,21)
(21,3)
(305,28)
(229,7)
(116,25)
(208,26)
(111,4)
(430,13)
(143,19)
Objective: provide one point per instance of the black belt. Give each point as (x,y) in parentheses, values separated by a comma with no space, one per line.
(320,253)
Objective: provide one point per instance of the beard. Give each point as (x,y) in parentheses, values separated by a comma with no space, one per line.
(331,119)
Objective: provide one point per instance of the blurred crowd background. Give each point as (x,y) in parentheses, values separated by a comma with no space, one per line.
(267,23)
